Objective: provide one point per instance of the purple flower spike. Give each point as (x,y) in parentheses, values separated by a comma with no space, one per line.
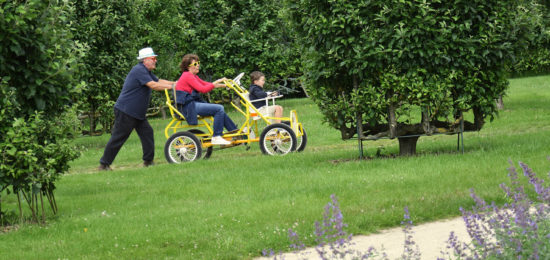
(517,230)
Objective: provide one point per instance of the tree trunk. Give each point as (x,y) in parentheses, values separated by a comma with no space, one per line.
(392,120)
(479,121)
(92,120)
(500,103)
(304,89)
(426,122)
(407,145)
(1,214)
(162,111)
(107,125)
(359,114)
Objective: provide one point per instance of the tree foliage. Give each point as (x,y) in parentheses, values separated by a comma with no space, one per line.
(38,59)
(376,61)
(535,58)
(38,56)
(229,36)
(108,30)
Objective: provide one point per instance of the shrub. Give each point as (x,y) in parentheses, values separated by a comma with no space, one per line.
(34,154)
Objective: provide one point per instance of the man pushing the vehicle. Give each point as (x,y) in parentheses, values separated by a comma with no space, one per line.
(131,107)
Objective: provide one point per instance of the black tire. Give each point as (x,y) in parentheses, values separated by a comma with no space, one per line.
(301,142)
(208,152)
(277,139)
(182,147)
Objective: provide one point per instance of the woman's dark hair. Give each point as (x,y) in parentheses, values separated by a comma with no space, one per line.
(255,75)
(187,60)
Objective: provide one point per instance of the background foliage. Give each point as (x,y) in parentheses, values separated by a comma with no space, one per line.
(536,58)
(229,36)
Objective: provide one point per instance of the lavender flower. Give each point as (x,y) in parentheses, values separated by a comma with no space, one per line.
(410,250)
(268,252)
(331,232)
(517,230)
(297,244)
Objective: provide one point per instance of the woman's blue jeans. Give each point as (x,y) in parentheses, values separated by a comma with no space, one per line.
(221,119)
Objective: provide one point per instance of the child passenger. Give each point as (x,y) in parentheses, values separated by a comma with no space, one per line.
(256,92)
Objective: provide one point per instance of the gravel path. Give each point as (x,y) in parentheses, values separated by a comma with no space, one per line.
(430,237)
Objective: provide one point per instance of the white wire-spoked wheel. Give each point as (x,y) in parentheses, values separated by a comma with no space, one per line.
(277,139)
(182,147)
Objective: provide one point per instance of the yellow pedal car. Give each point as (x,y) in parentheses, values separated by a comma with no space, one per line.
(187,143)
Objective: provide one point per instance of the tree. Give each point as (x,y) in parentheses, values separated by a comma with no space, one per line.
(382,63)
(108,29)
(38,59)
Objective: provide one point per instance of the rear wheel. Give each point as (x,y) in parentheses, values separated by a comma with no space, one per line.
(182,147)
(301,141)
(277,139)
(208,152)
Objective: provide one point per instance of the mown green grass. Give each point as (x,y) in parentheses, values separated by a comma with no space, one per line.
(239,202)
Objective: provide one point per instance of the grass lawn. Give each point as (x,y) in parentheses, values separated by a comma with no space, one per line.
(239,202)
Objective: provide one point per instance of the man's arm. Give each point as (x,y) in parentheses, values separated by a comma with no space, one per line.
(160,85)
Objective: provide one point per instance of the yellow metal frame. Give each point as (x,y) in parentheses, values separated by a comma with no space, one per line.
(245,107)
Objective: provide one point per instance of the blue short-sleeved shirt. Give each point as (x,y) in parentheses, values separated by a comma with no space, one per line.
(135,95)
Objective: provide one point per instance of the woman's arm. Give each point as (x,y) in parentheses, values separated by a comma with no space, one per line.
(219,83)
(196,83)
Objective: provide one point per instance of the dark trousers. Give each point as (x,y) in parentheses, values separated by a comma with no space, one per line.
(124,124)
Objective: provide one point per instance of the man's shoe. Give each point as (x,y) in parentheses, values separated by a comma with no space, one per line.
(148,163)
(219,140)
(104,167)
(286,122)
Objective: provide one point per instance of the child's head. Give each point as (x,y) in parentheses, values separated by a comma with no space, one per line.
(257,78)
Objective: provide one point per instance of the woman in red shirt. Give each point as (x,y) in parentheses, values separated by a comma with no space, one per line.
(191,104)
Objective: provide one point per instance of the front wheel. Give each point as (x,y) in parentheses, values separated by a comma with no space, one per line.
(182,147)
(277,139)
